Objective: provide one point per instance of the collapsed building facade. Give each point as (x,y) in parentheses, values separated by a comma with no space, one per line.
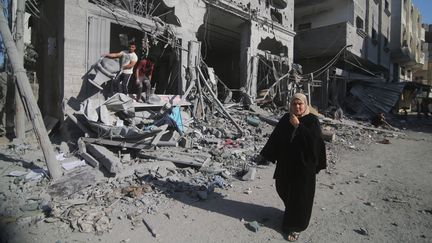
(233,37)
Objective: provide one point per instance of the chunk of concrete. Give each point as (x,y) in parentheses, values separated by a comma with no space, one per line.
(250,175)
(105,157)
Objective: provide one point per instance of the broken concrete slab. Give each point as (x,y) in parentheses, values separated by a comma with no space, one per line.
(105,157)
(184,161)
(71,183)
(90,159)
(133,145)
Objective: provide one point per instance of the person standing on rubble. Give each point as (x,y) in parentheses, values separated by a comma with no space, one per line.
(129,59)
(298,149)
(143,74)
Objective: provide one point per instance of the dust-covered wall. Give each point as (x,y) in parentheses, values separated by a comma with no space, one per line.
(61,74)
(75,42)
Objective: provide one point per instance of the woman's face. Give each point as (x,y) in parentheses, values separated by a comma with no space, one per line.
(298,107)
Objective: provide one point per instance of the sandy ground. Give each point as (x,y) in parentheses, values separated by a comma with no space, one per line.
(373,193)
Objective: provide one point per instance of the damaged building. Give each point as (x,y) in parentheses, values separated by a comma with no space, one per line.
(342,41)
(361,51)
(240,41)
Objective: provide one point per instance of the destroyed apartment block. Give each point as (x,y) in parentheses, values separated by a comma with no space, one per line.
(196,79)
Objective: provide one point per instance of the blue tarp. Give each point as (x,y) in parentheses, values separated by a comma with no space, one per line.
(176,116)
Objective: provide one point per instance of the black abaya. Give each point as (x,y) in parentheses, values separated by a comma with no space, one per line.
(299,154)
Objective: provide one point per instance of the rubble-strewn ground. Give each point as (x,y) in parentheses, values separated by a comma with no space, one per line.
(377,188)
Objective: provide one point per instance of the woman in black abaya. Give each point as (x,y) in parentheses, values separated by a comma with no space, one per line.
(297,147)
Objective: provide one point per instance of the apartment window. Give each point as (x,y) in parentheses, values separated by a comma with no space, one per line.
(359,22)
(304,26)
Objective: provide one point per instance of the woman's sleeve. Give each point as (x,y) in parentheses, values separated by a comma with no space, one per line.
(271,148)
(312,141)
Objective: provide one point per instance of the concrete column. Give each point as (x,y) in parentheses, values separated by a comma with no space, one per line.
(245,55)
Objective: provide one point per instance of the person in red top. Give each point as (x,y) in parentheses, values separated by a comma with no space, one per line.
(143,73)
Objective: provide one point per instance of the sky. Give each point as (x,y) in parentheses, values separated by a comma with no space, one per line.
(425,7)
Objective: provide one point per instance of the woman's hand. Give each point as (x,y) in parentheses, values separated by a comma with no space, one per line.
(294,120)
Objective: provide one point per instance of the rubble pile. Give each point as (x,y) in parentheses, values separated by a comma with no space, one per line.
(142,154)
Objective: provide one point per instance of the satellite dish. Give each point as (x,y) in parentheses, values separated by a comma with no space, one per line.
(170,3)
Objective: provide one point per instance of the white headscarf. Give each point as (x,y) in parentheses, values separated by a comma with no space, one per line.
(303,98)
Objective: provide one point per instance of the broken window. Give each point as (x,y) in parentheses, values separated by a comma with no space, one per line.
(359,22)
(273,46)
(276,15)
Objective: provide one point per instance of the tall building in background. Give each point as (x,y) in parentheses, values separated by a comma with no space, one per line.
(407,41)
(351,35)
(424,75)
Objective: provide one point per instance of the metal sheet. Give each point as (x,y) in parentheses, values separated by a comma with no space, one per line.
(375,96)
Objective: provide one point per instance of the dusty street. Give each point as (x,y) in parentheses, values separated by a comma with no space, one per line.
(372,192)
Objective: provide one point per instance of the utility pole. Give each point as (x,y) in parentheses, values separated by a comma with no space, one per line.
(28,98)
(20,117)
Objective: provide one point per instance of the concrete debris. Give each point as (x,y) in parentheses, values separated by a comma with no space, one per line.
(253,226)
(144,153)
(105,157)
(250,175)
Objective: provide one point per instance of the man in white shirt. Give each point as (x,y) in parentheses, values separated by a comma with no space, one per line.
(129,59)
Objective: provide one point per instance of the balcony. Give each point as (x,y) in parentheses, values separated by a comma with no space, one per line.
(331,38)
